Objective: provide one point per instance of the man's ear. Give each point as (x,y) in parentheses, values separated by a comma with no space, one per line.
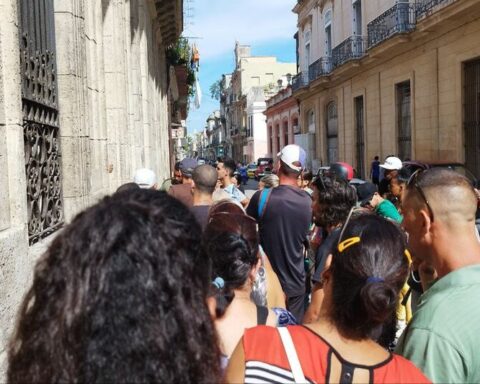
(425,224)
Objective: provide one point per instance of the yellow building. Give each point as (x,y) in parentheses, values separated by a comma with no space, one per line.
(382,77)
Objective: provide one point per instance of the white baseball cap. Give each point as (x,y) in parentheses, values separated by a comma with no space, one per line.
(392,163)
(145,178)
(293,156)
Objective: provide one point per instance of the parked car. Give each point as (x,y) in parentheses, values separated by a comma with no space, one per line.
(457,167)
(251,168)
(264,167)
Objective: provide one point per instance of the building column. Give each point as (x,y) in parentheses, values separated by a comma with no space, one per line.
(72,96)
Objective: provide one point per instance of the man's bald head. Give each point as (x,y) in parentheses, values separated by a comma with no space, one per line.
(449,194)
(205,178)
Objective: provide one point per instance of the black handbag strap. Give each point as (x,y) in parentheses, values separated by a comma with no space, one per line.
(262,314)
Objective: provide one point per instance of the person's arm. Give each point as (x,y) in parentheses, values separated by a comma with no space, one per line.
(236,366)
(275,295)
(435,356)
(245,202)
(313,311)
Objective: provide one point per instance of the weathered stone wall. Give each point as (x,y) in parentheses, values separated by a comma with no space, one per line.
(112,94)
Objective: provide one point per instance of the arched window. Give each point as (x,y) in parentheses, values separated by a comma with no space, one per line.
(270,141)
(278,139)
(311,121)
(332,133)
(285,132)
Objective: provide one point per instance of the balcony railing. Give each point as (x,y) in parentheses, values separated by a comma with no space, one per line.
(427,7)
(299,81)
(321,67)
(352,48)
(398,19)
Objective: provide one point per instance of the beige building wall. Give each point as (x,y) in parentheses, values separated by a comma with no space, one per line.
(431,58)
(250,72)
(114,118)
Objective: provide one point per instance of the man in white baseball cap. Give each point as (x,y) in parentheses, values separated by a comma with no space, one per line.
(293,156)
(284,214)
(391,166)
(392,163)
(145,178)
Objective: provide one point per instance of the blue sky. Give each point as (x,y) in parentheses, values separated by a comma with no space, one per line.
(267,25)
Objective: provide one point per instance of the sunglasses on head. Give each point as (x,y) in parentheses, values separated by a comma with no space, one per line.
(413,182)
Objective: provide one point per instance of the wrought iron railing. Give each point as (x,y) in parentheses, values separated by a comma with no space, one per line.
(398,19)
(321,67)
(424,8)
(299,81)
(352,48)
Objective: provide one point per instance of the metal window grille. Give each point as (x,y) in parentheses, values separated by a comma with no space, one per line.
(471,123)
(332,133)
(360,137)
(40,118)
(404,121)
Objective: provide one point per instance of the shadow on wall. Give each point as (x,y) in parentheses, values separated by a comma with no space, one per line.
(155,54)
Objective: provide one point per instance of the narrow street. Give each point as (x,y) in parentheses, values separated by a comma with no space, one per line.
(130,254)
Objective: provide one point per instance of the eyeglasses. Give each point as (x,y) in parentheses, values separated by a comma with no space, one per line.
(315,182)
(413,181)
(343,230)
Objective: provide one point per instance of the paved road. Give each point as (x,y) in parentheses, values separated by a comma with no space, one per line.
(251,187)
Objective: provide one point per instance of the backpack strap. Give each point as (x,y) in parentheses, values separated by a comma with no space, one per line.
(262,314)
(292,356)
(262,201)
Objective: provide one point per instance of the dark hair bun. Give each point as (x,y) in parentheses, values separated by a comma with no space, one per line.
(378,300)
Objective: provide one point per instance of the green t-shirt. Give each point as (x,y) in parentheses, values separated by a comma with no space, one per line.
(389,211)
(443,337)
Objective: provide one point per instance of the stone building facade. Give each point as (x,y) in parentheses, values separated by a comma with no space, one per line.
(84,101)
(282,122)
(241,100)
(382,77)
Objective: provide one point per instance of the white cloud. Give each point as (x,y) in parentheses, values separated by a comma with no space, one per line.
(220,23)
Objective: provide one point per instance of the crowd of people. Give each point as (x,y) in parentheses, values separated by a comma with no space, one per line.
(311,279)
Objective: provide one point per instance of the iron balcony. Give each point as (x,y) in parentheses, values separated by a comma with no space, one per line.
(398,19)
(352,48)
(427,7)
(321,67)
(299,81)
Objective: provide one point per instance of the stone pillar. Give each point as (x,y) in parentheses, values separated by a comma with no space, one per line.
(115,83)
(95,103)
(15,261)
(72,97)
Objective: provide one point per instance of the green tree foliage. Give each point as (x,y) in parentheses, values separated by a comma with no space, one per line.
(216,89)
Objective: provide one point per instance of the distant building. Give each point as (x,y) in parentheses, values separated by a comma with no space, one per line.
(283,123)
(242,102)
(390,77)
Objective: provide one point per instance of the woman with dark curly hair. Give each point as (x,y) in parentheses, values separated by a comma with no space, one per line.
(332,200)
(362,280)
(230,244)
(119,297)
